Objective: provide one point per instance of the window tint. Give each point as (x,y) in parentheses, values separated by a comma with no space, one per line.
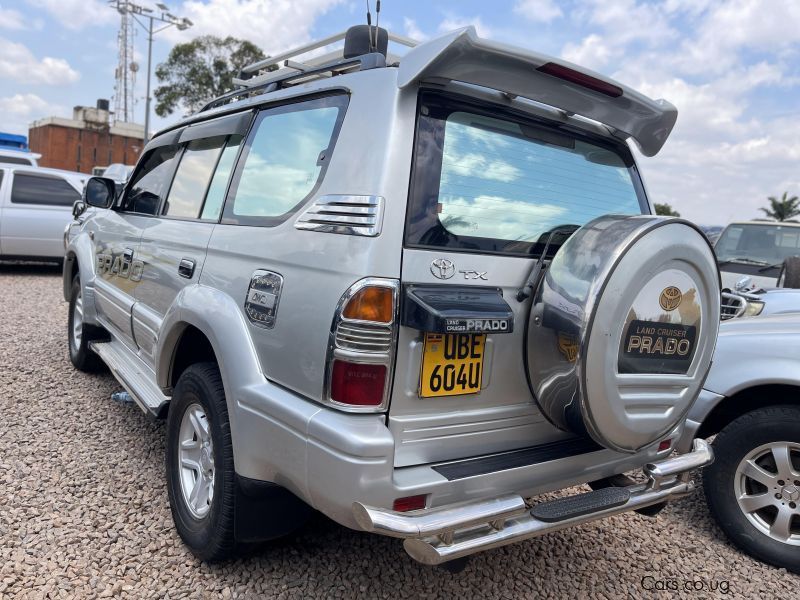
(15,160)
(185,198)
(500,185)
(150,181)
(41,189)
(219,182)
(285,156)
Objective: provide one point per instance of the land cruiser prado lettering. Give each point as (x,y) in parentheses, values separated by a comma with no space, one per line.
(411,293)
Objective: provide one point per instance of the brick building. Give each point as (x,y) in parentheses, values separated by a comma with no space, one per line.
(85,141)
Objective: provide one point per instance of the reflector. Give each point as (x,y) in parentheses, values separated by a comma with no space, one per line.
(409,503)
(357,384)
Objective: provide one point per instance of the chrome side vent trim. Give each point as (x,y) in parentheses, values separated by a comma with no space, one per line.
(344,214)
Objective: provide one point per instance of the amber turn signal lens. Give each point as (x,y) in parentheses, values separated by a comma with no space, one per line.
(370,304)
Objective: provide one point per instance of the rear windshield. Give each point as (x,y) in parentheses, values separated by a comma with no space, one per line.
(498,183)
(759,244)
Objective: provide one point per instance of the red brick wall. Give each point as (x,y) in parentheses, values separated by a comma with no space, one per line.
(81,149)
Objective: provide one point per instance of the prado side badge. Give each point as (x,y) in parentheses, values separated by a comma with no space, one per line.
(263,296)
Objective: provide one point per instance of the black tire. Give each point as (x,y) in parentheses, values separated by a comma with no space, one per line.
(80,354)
(791,272)
(210,537)
(742,436)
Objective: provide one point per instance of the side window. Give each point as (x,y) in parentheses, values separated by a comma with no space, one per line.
(188,190)
(283,160)
(150,181)
(43,190)
(219,181)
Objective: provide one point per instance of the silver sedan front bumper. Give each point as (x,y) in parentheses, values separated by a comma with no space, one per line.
(437,535)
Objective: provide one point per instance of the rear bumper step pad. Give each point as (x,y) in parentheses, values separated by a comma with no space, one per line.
(437,535)
(578,506)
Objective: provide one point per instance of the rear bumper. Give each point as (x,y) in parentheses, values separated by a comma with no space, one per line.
(445,533)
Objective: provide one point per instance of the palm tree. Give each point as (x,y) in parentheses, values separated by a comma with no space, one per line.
(783,209)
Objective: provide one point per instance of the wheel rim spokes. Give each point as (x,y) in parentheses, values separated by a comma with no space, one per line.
(196,461)
(77,321)
(767,487)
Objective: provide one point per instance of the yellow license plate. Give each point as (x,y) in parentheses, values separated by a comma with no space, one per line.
(452,364)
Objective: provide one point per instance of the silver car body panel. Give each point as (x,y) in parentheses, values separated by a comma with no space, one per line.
(751,351)
(33,230)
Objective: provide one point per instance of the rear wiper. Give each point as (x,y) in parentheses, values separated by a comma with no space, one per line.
(532,282)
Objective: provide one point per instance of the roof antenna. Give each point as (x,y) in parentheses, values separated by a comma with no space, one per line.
(369,31)
(377,22)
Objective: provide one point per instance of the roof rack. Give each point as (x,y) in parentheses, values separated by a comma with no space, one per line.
(253,80)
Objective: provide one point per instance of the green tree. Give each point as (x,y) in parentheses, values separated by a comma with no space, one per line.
(666,210)
(200,70)
(783,208)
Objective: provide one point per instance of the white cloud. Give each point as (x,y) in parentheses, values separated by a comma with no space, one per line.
(19,63)
(538,11)
(273,25)
(20,110)
(77,14)
(412,29)
(593,52)
(11,19)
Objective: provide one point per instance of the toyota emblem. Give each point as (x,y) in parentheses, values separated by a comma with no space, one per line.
(443,268)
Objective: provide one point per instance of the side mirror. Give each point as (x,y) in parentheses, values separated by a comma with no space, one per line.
(78,208)
(99,192)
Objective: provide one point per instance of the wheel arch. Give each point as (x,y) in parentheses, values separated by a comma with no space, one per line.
(747,400)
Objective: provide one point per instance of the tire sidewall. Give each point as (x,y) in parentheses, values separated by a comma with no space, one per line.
(763,426)
(205,536)
(77,354)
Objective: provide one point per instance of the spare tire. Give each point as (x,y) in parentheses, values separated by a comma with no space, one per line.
(790,274)
(622,329)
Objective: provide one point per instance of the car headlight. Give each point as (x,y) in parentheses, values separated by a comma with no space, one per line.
(754,307)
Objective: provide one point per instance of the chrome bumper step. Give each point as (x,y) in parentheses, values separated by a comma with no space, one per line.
(580,505)
(437,535)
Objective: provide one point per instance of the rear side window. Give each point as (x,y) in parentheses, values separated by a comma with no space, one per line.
(150,181)
(188,190)
(283,160)
(42,190)
(499,183)
(15,160)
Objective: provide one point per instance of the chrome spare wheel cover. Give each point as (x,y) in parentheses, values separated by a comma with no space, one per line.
(767,488)
(77,321)
(196,461)
(622,329)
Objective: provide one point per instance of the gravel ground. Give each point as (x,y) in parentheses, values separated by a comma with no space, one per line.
(84,511)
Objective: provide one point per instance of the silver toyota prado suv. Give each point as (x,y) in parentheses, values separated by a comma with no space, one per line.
(411,293)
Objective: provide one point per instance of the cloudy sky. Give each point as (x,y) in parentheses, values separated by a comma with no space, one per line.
(731,67)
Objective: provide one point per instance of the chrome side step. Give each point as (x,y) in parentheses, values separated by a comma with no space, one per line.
(437,535)
(133,374)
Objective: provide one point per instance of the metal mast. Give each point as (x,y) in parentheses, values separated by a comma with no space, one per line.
(125,73)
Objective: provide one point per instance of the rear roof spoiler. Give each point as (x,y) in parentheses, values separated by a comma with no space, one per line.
(463,56)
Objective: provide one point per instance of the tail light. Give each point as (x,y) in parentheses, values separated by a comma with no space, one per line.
(362,344)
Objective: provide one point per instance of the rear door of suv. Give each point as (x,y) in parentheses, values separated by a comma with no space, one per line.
(488,187)
(173,246)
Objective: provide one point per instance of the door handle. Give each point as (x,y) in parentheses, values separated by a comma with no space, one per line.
(186,268)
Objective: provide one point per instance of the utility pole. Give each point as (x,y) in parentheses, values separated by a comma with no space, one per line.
(138,12)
